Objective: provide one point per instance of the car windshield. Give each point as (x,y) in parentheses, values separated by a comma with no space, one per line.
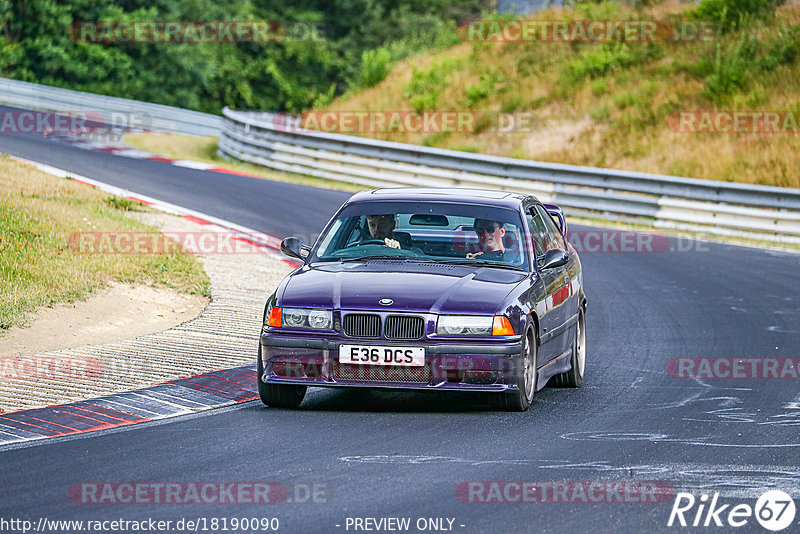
(424,231)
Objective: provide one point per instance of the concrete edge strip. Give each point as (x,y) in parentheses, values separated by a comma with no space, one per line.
(162,401)
(169,399)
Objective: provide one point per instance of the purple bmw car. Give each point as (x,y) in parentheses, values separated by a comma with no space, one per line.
(429,289)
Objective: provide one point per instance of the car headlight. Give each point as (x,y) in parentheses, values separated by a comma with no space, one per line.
(303,318)
(320,319)
(464,325)
(474,325)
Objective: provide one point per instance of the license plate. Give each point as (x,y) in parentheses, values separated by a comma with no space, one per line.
(376,355)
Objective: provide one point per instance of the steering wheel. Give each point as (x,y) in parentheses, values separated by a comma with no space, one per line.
(368,242)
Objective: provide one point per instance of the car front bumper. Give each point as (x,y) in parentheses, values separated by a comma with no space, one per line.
(481,366)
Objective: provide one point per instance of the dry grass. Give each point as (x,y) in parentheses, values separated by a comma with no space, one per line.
(38,212)
(176,146)
(616,120)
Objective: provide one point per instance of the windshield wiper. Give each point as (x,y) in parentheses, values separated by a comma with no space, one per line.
(380,257)
(479,263)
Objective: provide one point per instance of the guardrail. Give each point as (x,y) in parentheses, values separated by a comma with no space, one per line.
(159,118)
(708,206)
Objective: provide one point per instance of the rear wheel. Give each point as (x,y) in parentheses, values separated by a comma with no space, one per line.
(519,400)
(574,377)
(278,395)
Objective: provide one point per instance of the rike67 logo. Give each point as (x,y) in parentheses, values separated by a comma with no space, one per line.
(774,510)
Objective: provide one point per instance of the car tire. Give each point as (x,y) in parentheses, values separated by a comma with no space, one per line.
(520,399)
(278,395)
(574,377)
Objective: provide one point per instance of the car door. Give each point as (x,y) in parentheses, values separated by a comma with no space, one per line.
(560,291)
(548,316)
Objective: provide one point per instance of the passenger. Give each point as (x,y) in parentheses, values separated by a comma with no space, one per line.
(490,240)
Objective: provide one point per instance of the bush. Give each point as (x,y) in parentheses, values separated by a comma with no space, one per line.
(480,92)
(375,66)
(734,65)
(783,49)
(599,62)
(599,86)
(422,90)
(512,103)
(729,73)
(734,14)
(624,100)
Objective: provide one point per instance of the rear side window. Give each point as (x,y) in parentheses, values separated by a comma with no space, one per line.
(538,231)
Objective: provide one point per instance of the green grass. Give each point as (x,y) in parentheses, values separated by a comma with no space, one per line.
(38,213)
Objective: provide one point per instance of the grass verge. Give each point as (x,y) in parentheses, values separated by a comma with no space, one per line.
(38,212)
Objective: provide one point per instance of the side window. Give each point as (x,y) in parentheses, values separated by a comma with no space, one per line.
(556,240)
(538,231)
(357,232)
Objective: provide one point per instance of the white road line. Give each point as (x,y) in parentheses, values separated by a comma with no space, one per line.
(264,240)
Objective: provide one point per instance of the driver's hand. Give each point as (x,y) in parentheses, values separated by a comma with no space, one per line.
(391,243)
(471,256)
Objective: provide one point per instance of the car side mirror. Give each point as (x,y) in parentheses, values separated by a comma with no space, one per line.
(558,215)
(554,257)
(294,247)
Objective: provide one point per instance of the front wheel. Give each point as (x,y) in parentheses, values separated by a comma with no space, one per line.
(519,400)
(574,377)
(278,395)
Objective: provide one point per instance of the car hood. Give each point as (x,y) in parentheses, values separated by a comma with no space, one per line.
(418,287)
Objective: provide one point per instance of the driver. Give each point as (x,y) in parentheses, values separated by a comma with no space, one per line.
(490,240)
(381,227)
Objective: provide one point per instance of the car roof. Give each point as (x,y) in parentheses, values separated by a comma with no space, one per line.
(416,194)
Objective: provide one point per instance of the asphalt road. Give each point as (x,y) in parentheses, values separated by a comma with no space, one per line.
(379,454)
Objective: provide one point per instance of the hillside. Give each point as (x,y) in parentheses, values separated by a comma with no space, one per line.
(617,104)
